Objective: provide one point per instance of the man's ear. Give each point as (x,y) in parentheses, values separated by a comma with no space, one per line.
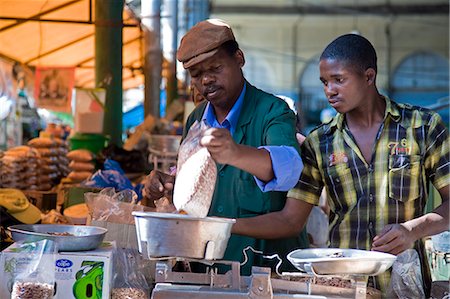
(240,57)
(371,75)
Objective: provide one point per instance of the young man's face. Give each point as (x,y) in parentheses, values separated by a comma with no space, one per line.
(345,87)
(219,78)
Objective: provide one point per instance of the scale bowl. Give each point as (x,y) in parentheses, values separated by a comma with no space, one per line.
(337,261)
(176,235)
(66,237)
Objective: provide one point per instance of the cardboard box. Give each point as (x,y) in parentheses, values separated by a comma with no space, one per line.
(78,275)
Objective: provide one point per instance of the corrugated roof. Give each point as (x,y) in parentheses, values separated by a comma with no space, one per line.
(62,33)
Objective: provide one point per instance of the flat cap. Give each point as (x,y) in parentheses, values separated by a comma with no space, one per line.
(202,41)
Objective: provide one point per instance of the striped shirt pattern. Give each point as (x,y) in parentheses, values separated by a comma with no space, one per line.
(411,150)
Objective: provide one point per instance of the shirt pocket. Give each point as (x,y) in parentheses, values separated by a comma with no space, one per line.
(404,177)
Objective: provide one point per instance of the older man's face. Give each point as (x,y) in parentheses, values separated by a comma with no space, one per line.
(219,78)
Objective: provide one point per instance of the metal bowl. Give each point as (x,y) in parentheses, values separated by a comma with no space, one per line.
(164,143)
(175,235)
(336,261)
(81,238)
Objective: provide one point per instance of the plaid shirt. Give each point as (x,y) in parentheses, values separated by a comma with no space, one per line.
(411,150)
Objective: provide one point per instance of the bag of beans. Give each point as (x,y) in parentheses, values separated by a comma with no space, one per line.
(80,155)
(82,166)
(78,176)
(31,278)
(129,281)
(196,174)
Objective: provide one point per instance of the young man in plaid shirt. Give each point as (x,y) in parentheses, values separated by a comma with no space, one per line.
(375,159)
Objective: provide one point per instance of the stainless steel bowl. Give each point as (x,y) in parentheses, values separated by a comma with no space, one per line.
(336,261)
(81,238)
(164,143)
(175,235)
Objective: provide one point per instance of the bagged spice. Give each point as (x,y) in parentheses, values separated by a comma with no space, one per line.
(29,273)
(196,174)
(129,280)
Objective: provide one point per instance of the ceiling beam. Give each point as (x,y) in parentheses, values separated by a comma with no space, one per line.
(36,16)
(315,9)
(10,59)
(23,20)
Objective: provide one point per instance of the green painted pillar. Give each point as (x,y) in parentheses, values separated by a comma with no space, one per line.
(108,63)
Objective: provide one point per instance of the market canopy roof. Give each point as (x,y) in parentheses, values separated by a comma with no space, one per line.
(56,33)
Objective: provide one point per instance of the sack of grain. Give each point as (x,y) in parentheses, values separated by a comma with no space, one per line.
(78,176)
(41,142)
(196,174)
(80,155)
(81,166)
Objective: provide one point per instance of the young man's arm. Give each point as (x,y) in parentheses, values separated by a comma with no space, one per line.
(396,238)
(281,224)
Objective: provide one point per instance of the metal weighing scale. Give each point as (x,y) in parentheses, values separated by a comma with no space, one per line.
(259,284)
(204,240)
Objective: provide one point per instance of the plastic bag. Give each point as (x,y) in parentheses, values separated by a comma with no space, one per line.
(109,178)
(317,227)
(129,280)
(31,278)
(112,176)
(406,277)
(113,165)
(196,174)
(109,205)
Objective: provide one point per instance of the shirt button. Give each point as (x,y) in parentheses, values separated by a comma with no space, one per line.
(221,173)
(370,225)
(337,180)
(220,209)
(371,197)
(370,168)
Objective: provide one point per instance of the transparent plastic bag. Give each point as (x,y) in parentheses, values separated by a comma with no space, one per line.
(129,280)
(31,277)
(406,277)
(196,174)
(109,205)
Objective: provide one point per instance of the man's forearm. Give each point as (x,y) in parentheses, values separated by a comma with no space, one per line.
(254,161)
(431,223)
(282,224)
(269,226)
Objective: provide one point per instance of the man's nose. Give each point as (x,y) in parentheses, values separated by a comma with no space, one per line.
(329,90)
(207,78)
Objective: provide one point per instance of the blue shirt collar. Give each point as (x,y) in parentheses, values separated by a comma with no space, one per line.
(230,122)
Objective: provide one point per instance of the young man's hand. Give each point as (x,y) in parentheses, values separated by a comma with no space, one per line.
(300,138)
(394,239)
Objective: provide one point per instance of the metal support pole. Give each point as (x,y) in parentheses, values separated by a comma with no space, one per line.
(151,20)
(108,63)
(172,86)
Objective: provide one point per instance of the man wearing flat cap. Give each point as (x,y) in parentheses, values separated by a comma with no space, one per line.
(252,139)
